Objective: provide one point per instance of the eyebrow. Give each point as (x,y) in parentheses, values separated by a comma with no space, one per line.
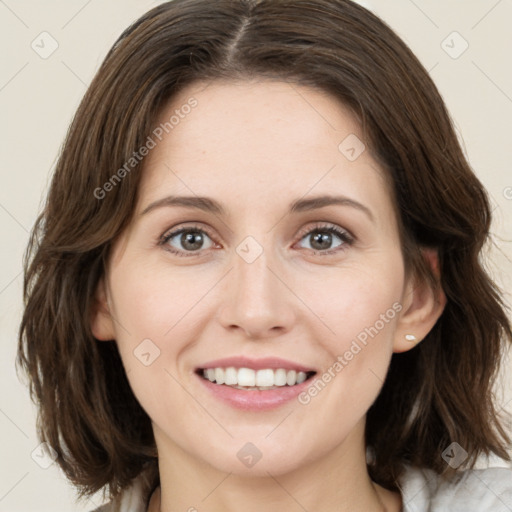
(303,205)
(209,205)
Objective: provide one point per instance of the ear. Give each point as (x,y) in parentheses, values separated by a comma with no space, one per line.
(422,307)
(102,325)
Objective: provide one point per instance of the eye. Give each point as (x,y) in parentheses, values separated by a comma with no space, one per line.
(186,240)
(321,239)
(190,241)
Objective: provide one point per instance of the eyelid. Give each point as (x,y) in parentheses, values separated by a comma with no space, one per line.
(171,232)
(327,226)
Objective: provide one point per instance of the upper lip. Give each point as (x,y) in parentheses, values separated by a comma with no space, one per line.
(256,364)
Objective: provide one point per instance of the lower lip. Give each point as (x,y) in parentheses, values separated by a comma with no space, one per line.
(255,400)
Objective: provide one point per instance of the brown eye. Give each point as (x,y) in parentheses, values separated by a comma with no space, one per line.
(329,238)
(186,240)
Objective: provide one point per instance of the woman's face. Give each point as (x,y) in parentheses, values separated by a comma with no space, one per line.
(283,257)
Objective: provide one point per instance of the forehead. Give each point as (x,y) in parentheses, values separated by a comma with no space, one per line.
(251,112)
(261,141)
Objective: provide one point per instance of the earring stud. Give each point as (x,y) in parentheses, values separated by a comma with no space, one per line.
(411,338)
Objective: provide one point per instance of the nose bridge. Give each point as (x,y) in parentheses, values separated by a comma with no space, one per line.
(257,301)
(254,278)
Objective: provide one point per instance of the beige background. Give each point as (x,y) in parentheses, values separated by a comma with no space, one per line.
(38,97)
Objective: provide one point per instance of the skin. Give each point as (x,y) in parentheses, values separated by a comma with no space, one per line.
(255,147)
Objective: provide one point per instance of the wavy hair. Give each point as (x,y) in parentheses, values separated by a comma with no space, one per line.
(438,392)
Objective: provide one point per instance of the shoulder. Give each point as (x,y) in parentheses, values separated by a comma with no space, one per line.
(471,490)
(130,500)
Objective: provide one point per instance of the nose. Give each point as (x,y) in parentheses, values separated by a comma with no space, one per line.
(257,300)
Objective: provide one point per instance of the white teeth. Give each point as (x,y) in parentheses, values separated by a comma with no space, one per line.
(230,376)
(301,377)
(246,377)
(249,379)
(291,377)
(219,375)
(265,378)
(280,377)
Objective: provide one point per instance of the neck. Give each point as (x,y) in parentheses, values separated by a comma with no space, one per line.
(336,482)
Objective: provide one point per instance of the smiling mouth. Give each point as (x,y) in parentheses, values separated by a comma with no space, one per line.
(253,380)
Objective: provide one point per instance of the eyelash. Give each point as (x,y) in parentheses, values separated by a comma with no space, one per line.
(344,236)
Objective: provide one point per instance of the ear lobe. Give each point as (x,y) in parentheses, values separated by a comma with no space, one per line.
(423,307)
(102,326)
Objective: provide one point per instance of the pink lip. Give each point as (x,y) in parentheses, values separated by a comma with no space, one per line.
(256,364)
(254,400)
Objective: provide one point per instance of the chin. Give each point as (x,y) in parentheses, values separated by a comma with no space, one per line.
(257,458)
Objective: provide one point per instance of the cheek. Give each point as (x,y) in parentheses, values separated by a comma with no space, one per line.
(152,302)
(152,329)
(159,313)
(360,311)
(354,301)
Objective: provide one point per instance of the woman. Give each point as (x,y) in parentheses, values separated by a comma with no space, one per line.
(256,281)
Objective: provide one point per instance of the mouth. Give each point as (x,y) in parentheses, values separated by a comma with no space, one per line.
(254,385)
(249,379)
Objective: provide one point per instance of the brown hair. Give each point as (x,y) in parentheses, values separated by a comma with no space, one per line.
(436,393)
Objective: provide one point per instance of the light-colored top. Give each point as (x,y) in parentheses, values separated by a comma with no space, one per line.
(473,490)
(423,490)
